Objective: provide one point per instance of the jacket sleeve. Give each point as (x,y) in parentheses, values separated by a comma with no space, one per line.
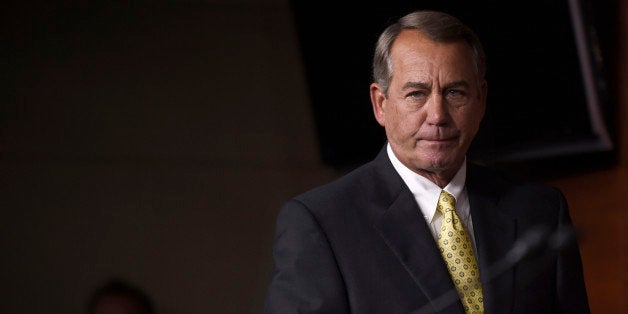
(571,291)
(305,276)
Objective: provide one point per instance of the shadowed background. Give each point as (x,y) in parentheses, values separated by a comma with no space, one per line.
(156,141)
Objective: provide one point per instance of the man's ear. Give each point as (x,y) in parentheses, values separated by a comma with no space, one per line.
(378,100)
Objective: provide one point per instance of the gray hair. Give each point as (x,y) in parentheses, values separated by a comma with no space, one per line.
(438,26)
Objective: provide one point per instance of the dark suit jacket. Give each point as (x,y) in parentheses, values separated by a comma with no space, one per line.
(361,245)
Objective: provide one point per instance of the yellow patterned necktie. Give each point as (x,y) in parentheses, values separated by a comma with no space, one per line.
(457,251)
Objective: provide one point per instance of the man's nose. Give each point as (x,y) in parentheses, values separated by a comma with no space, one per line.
(436,108)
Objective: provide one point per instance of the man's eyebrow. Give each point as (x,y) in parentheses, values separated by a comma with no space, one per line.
(456,84)
(413,85)
(421,85)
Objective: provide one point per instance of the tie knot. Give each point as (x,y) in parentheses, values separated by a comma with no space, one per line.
(446,202)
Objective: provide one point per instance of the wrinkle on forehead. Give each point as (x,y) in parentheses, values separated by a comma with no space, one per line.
(417,58)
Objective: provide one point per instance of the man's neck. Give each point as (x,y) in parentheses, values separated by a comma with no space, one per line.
(440,178)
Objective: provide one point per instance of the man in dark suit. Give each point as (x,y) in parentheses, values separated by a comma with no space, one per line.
(378,240)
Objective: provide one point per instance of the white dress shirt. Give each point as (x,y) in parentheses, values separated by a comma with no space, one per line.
(426,194)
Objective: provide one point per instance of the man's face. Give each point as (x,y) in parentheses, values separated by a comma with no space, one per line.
(435,103)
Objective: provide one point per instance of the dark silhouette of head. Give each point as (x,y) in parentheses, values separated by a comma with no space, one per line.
(119,297)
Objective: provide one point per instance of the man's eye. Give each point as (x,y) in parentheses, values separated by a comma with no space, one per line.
(456,97)
(416,95)
(455,93)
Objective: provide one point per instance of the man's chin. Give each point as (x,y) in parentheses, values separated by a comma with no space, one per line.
(437,164)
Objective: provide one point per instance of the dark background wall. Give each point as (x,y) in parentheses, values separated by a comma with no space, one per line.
(155,142)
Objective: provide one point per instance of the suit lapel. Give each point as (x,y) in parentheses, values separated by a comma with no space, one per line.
(408,236)
(406,233)
(495,233)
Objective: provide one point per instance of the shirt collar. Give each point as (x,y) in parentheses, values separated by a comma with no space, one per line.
(426,192)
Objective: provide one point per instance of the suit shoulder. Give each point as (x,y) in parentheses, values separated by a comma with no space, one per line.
(486,180)
(500,180)
(342,188)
